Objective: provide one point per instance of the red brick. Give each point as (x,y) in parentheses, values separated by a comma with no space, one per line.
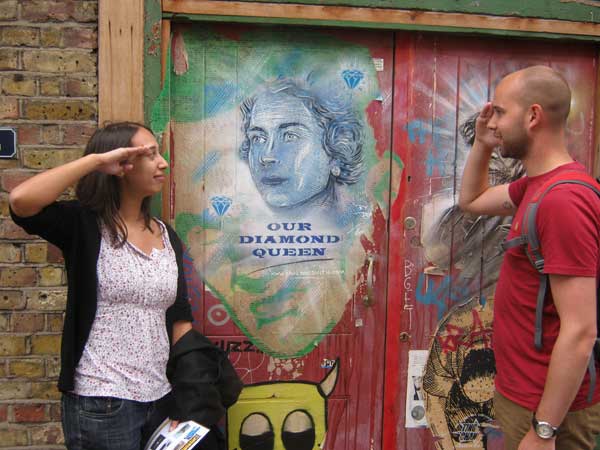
(3,413)
(81,87)
(54,254)
(10,230)
(80,37)
(58,11)
(30,413)
(42,11)
(9,179)
(77,134)
(28,134)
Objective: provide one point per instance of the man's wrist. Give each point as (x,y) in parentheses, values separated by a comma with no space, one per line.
(543,429)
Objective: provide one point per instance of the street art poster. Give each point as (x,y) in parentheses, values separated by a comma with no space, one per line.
(459,378)
(282,416)
(274,165)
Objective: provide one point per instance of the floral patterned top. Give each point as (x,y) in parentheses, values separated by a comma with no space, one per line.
(127,351)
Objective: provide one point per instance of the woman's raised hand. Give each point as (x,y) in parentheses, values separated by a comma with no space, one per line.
(120,161)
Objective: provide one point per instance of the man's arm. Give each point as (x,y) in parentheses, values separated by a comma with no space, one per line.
(575,300)
(476,194)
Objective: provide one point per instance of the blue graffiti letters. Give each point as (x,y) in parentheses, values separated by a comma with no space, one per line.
(289,239)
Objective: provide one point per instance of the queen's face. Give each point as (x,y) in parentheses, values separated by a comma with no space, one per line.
(288,163)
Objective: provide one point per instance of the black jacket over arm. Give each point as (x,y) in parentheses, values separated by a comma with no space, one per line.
(75,230)
(204,381)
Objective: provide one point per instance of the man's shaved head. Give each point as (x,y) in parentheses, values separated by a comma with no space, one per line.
(547,88)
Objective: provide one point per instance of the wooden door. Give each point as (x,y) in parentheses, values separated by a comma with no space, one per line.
(280,153)
(443,264)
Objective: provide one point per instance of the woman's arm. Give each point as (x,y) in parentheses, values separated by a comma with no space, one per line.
(180,328)
(31,196)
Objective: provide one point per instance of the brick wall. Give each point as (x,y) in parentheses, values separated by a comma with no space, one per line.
(48,93)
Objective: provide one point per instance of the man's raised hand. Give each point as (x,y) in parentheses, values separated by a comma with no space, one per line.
(483,134)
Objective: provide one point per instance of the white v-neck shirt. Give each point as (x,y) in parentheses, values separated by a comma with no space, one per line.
(126,353)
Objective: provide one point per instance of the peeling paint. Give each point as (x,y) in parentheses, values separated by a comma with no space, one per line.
(180,56)
(154,39)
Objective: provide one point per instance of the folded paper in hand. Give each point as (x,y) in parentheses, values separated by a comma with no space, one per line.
(184,437)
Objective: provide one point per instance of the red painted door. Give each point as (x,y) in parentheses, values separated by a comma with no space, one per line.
(287,147)
(443,265)
(280,148)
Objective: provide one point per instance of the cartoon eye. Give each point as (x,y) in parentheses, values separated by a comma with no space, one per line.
(288,136)
(298,431)
(258,139)
(256,433)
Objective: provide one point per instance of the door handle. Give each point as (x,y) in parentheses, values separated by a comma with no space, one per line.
(369,298)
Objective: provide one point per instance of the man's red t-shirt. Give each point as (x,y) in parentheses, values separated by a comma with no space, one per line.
(568,221)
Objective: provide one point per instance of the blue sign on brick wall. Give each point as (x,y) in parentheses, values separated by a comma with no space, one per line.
(8,143)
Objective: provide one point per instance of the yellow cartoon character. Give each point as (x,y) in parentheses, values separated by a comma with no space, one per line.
(289,415)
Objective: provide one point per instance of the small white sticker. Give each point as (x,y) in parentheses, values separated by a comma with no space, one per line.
(378,63)
(358,323)
(415,398)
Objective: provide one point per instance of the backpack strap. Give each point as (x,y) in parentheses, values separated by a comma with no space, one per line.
(529,240)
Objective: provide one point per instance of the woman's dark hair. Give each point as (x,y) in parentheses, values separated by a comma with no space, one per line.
(101,192)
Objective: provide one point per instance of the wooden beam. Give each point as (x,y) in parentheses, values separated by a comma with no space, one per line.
(165,42)
(378,16)
(120,60)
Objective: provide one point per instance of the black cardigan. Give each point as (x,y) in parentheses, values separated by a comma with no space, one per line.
(75,230)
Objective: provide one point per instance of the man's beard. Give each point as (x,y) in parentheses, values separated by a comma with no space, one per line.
(515,147)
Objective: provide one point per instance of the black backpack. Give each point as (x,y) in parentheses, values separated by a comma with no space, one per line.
(528,239)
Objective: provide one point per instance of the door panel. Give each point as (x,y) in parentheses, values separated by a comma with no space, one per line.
(280,147)
(288,254)
(444,264)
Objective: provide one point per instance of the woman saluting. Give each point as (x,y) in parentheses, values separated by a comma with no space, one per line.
(127,298)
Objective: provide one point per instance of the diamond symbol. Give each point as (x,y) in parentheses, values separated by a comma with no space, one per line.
(220,204)
(352,77)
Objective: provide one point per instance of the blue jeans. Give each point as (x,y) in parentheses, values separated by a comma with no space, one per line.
(109,423)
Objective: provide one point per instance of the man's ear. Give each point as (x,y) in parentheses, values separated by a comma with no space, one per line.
(534,115)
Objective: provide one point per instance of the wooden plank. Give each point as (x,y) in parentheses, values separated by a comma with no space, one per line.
(379,16)
(164,44)
(120,60)
(577,10)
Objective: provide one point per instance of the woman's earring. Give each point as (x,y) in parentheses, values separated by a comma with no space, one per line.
(336,171)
